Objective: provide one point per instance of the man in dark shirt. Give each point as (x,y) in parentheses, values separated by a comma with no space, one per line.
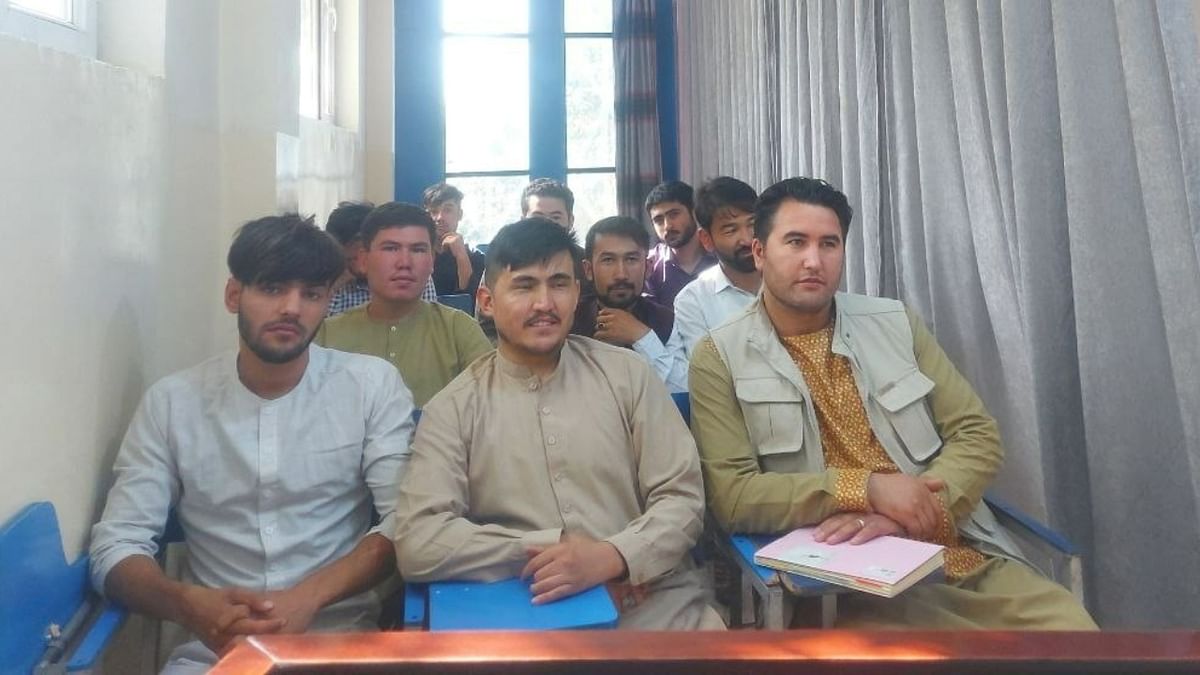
(678,257)
(457,267)
(618,313)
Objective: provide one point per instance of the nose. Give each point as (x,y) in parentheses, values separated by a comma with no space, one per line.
(541,299)
(289,304)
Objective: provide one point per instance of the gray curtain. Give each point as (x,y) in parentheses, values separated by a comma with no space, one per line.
(1026,175)
(639,155)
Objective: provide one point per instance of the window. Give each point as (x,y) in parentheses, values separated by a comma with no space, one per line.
(501,130)
(65,25)
(318,28)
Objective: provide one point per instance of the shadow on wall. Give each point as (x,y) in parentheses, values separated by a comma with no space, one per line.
(121,381)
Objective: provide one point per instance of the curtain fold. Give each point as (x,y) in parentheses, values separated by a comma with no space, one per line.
(1026,176)
(639,154)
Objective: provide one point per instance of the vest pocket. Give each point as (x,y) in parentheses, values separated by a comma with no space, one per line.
(904,402)
(774,412)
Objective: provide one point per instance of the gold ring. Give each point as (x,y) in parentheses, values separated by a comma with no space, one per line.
(861,523)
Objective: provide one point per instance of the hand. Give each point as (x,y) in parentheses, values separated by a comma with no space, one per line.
(911,501)
(573,565)
(857,528)
(212,613)
(454,243)
(618,327)
(295,606)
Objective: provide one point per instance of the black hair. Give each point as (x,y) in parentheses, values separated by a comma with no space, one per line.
(345,222)
(547,187)
(396,214)
(805,190)
(720,193)
(621,226)
(440,193)
(525,242)
(671,191)
(285,248)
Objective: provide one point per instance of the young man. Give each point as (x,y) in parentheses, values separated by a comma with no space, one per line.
(428,343)
(272,457)
(505,480)
(882,435)
(725,211)
(457,268)
(549,199)
(618,313)
(679,257)
(350,290)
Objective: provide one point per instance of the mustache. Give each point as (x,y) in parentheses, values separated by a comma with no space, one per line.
(621,285)
(542,315)
(284,322)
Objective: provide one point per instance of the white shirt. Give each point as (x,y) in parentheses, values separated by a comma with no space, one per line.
(266,491)
(705,303)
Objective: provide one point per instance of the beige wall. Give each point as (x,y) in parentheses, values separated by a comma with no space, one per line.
(378,85)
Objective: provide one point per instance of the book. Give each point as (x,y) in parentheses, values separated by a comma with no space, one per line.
(884,566)
(508,605)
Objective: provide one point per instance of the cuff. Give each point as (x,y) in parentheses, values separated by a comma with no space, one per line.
(649,345)
(850,490)
(639,557)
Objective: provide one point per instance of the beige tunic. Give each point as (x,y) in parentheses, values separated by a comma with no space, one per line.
(502,461)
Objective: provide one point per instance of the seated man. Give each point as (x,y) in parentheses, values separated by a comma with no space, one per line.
(429,343)
(273,458)
(457,268)
(549,199)
(350,290)
(725,211)
(507,482)
(813,407)
(679,258)
(615,263)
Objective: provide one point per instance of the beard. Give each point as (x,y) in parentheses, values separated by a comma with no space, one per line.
(606,299)
(741,260)
(269,354)
(682,239)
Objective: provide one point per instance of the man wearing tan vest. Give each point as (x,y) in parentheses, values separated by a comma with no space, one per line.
(813,407)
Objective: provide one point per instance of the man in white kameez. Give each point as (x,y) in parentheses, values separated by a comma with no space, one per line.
(559,459)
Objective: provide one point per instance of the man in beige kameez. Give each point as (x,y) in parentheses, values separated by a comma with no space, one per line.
(559,459)
(813,407)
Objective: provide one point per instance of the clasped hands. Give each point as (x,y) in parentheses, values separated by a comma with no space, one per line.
(900,505)
(218,615)
(575,564)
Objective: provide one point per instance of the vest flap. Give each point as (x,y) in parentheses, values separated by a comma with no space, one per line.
(766,390)
(904,391)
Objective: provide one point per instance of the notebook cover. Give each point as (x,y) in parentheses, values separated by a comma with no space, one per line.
(508,605)
(886,561)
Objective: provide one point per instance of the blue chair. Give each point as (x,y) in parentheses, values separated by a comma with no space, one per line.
(49,616)
(463,302)
(1051,550)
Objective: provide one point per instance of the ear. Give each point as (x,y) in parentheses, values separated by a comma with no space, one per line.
(587,270)
(484,300)
(233,295)
(705,239)
(756,248)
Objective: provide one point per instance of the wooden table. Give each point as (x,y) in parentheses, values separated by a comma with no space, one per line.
(758,652)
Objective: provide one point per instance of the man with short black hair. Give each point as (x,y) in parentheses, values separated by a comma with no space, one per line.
(679,257)
(457,267)
(350,290)
(882,435)
(506,482)
(725,211)
(549,199)
(273,458)
(618,313)
(429,343)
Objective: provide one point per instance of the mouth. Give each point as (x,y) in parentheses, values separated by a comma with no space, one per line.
(283,329)
(403,279)
(811,281)
(543,321)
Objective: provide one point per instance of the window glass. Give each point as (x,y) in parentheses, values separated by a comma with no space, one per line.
(489,203)
(485,16)
(588,16)
(591,124)
(59,10)
(486,86)
(595,198)
(310,58)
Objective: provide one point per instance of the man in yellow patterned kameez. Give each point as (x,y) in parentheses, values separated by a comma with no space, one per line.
(814,407)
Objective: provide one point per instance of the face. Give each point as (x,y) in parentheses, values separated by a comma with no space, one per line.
(533,306)
(550,208)
(674,223)
(730,236)
(446,217)
(803,257)
(277,321)
(618,270)
(398,263)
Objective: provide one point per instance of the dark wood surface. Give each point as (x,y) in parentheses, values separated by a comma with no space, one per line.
(765,652)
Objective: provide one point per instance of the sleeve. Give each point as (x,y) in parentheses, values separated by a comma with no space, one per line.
(471,342)
(689,320)
(971,451)
(435,538)
(389,430)
(742,496)
(478,262)
(669,480)
(146,486)
(664,359)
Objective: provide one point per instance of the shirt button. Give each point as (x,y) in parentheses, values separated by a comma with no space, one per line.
(270,529)
(551,440)
(533,386)
(391,355)
(393,329)
(558,476)
(545,410)
(566,508)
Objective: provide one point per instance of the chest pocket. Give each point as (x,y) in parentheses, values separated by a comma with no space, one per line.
(774,412)
(904,403)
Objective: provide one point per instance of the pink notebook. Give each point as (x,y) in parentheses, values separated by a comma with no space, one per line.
(883,566)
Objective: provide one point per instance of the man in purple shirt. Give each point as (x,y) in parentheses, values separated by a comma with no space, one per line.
(679,257)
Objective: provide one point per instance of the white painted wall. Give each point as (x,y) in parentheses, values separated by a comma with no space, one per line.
(378,85)
(122,187)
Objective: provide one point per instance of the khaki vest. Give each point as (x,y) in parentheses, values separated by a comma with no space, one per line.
(875,335)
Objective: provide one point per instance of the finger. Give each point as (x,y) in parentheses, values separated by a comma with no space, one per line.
(229,615)
(875,527)
(537,562)
(830,525)
(254,601)
(845,532)
(548,584)
(547,571)
(934,483)
(250,626)
(556,594)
